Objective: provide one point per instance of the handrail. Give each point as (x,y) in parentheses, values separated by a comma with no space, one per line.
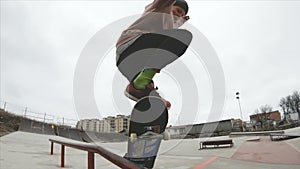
(91,149)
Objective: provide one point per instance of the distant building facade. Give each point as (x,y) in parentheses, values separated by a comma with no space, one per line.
(237,125)
(106,125)
(122,123)
(265,120)
(89,125)
(109,124)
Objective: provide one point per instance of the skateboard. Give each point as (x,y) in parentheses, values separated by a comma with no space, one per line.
(148,122)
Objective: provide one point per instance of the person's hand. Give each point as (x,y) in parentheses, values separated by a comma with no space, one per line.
(186,17)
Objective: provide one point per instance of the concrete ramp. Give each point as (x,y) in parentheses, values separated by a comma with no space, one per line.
(107,137)
(257,133)
(33,126)
(293,131)
(70,133)
(86,136)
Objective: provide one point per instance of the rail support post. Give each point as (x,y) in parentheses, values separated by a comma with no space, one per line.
(62,156)
(91,160)
(51,152)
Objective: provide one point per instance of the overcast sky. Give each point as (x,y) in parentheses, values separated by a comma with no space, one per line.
(257,44)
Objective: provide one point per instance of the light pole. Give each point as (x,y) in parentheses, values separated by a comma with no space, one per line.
(237,94)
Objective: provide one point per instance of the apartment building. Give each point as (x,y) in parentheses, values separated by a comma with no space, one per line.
(106,125)
(89,125)
(121,123)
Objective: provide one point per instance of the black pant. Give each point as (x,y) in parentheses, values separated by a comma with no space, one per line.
(153,50)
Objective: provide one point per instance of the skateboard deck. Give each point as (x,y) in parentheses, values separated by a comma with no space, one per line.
(148,121)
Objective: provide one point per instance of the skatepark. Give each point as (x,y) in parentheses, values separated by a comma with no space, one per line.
(29,150)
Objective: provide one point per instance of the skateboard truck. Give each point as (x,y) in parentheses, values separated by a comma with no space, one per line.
(155,129)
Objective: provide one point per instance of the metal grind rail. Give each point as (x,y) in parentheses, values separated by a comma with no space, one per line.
(92,149)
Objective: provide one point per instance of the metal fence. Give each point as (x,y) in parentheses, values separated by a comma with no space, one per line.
(30,113)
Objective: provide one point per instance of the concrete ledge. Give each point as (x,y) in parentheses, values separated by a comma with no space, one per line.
(280,137)
(215,143)
(258,133)
(257,138)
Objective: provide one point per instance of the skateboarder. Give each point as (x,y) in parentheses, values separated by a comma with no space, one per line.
(152,42)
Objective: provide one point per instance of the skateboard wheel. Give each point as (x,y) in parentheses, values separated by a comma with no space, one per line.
(166,135)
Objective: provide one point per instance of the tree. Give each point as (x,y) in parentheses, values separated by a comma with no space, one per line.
(265,108)
(290,104)
(296,103)
(261,116)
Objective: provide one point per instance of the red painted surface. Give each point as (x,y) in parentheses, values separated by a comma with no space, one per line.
(206,163)
(268,151)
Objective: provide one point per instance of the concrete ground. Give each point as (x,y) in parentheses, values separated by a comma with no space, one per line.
(21,150)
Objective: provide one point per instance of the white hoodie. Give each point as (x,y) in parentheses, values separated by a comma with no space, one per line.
(156,18)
